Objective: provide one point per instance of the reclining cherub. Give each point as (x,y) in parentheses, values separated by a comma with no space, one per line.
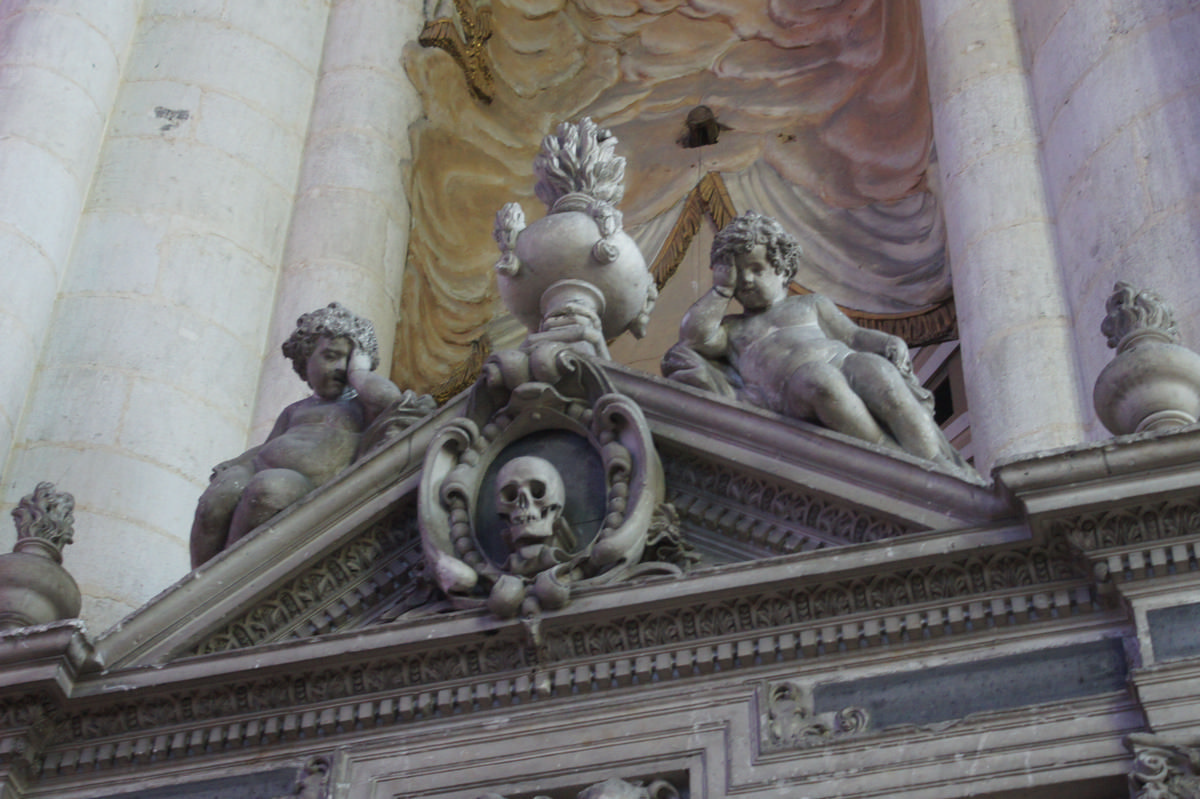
(799,355)
(334,351)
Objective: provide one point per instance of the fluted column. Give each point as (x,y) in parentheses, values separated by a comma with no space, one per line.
(1019,359)
(349,231)
(150,369)
(60,65)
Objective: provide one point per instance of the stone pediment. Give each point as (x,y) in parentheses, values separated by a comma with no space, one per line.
(747,485)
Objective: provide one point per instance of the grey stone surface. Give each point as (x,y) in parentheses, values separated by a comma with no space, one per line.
(799,355)
(1175,631)
(265,785)
(946,693)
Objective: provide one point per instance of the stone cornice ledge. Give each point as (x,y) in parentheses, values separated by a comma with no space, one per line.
(819,459)
(44,654)
(264,561)
(1102,473)
(446,632)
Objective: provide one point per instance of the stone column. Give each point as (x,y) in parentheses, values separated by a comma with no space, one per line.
(349,231)
(60,64)
(1019,363)
(150,369)
(1116,88)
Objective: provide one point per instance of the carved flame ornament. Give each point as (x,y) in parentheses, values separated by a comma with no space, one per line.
(575,275)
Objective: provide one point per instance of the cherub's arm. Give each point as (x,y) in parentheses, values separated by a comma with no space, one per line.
(837,325)
(375,391)
(701,328)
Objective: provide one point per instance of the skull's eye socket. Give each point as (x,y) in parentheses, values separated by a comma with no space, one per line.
(509,492)
(537,488)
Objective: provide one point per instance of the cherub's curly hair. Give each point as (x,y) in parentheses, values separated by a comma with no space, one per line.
(752,228)
(332,321)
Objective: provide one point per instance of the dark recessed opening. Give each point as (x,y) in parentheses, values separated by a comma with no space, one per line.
(702,128)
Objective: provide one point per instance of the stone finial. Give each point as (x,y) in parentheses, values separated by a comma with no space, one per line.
(1131,311)
(574,277)
(34,587)
(46,515)
(1153,382)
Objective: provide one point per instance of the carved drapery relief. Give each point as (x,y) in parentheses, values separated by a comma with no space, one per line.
(801,94)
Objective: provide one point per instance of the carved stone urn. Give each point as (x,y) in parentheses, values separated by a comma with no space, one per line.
(34,587)
(574,274)
(1153,383)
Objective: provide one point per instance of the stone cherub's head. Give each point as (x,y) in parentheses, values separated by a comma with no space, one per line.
(331,322)
(749,230)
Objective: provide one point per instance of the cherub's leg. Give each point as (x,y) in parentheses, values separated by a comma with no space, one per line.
(210,528)
(884,390)
(821,390)
(269,492)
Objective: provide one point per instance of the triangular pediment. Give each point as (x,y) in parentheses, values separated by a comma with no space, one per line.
(746,485)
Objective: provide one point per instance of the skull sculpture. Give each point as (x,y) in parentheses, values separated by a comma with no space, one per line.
(530,497)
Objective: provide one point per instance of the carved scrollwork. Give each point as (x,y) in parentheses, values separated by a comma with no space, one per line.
(1163,769)
(545,400)
(790,723)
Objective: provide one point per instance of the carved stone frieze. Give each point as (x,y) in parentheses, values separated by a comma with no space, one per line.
(377,566)
(974,576)
(1111,527)
(890,608)
(770,513)
(1163,769)
(789,722)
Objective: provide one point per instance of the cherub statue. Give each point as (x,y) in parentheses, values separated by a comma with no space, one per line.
(335,352)
(799,355)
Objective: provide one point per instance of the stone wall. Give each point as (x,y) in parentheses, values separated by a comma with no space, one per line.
(1116,92)
(246,142)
